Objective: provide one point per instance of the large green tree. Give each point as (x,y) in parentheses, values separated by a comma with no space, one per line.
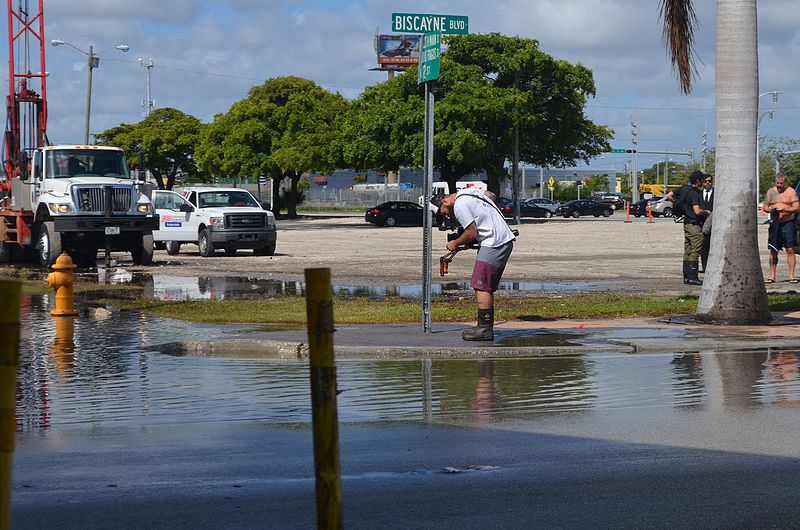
(488,84)
(282,129)
(167,138)
(491,84)
(733,287)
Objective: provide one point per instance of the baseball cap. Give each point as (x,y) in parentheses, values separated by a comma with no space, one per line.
(436,202)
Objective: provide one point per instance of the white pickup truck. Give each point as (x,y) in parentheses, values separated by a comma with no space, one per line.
(214,218)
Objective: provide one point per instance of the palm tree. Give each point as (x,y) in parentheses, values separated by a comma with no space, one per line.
(733,288)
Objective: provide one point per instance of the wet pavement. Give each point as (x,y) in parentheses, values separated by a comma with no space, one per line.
(127,421)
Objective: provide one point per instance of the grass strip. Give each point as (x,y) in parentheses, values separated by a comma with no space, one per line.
(292,310)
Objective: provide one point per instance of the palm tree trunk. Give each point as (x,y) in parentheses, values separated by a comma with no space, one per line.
(733,288)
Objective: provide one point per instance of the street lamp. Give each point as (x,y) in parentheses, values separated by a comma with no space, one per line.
(774,94)
(93,62)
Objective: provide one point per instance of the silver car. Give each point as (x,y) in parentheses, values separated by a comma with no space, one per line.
(541,202)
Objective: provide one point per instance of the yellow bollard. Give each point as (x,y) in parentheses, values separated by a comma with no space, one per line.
(9,348)
(61,281)
(319,310)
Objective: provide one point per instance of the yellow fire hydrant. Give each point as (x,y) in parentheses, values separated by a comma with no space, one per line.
(61,281)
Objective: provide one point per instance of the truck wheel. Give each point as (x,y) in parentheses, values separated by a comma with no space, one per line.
(142,253)
(5,252)
(87,259)
(205,244)
(48,246)
(269,250)
(173,247)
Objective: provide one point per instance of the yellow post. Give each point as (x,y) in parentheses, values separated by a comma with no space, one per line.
(319,310)
(9,348)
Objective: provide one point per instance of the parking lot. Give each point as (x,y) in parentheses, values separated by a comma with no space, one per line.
(635,256)
(646,256)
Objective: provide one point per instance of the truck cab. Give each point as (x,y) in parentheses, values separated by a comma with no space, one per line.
(80,198)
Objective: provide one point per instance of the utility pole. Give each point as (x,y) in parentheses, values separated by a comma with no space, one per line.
(149,103)
(635,142)
(704,146)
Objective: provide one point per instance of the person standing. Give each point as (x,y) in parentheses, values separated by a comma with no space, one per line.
(706,203)
(483,222)
(687,199)
(781,204)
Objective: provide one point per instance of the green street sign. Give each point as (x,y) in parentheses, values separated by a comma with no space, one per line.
(429,58)
(622,151)
(421,23)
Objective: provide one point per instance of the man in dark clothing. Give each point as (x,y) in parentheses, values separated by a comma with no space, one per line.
(693,215)
(706,203)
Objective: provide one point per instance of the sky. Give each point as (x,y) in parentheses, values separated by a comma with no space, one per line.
(207,54)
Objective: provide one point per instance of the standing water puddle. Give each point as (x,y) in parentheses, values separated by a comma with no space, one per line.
(109,374)
(169,287)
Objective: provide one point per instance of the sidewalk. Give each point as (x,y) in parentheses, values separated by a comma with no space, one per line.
(513,339)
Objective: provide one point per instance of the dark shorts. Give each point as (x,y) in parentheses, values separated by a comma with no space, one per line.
(787,235)
(489,266)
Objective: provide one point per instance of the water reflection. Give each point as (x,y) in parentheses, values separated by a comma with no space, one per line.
(105,369)
(171,287)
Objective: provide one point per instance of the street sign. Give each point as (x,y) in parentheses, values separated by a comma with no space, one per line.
(429,58)
(422,23)
(622,151)
(552,181)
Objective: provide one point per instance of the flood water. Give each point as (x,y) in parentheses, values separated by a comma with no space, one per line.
(104,369)
(171,287)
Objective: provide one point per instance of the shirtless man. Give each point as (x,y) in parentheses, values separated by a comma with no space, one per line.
(781,204)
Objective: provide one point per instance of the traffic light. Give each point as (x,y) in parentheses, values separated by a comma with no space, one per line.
(630,150)
(635,133)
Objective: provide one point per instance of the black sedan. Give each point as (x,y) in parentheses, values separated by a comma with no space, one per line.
(580,207)
(526,209)
(395,213)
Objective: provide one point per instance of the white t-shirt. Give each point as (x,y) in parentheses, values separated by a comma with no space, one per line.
(493,230)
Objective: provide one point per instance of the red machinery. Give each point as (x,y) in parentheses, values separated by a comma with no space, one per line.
(26,102)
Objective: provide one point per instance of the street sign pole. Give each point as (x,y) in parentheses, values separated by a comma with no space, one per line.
(428,72)
(427,251)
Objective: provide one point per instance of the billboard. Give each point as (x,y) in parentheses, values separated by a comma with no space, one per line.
(398,50)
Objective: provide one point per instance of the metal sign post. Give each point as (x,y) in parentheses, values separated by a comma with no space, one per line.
(428,73)
(427,249)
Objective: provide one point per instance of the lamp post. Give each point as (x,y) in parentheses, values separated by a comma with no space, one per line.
(774,95)
(93,62)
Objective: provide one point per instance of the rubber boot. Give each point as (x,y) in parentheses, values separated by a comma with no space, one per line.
(484,330)
(693,270)
(686,273)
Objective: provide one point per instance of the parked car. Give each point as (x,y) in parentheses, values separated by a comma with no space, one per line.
(580,207)
(639,208)
(662,206)
(526,209)
(615,200)
(544,203)
(658,205)
(394,213)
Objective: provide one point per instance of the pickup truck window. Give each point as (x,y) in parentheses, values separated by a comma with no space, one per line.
(169,201)
(224,199)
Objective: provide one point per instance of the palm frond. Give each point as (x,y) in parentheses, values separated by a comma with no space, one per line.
(679,21)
